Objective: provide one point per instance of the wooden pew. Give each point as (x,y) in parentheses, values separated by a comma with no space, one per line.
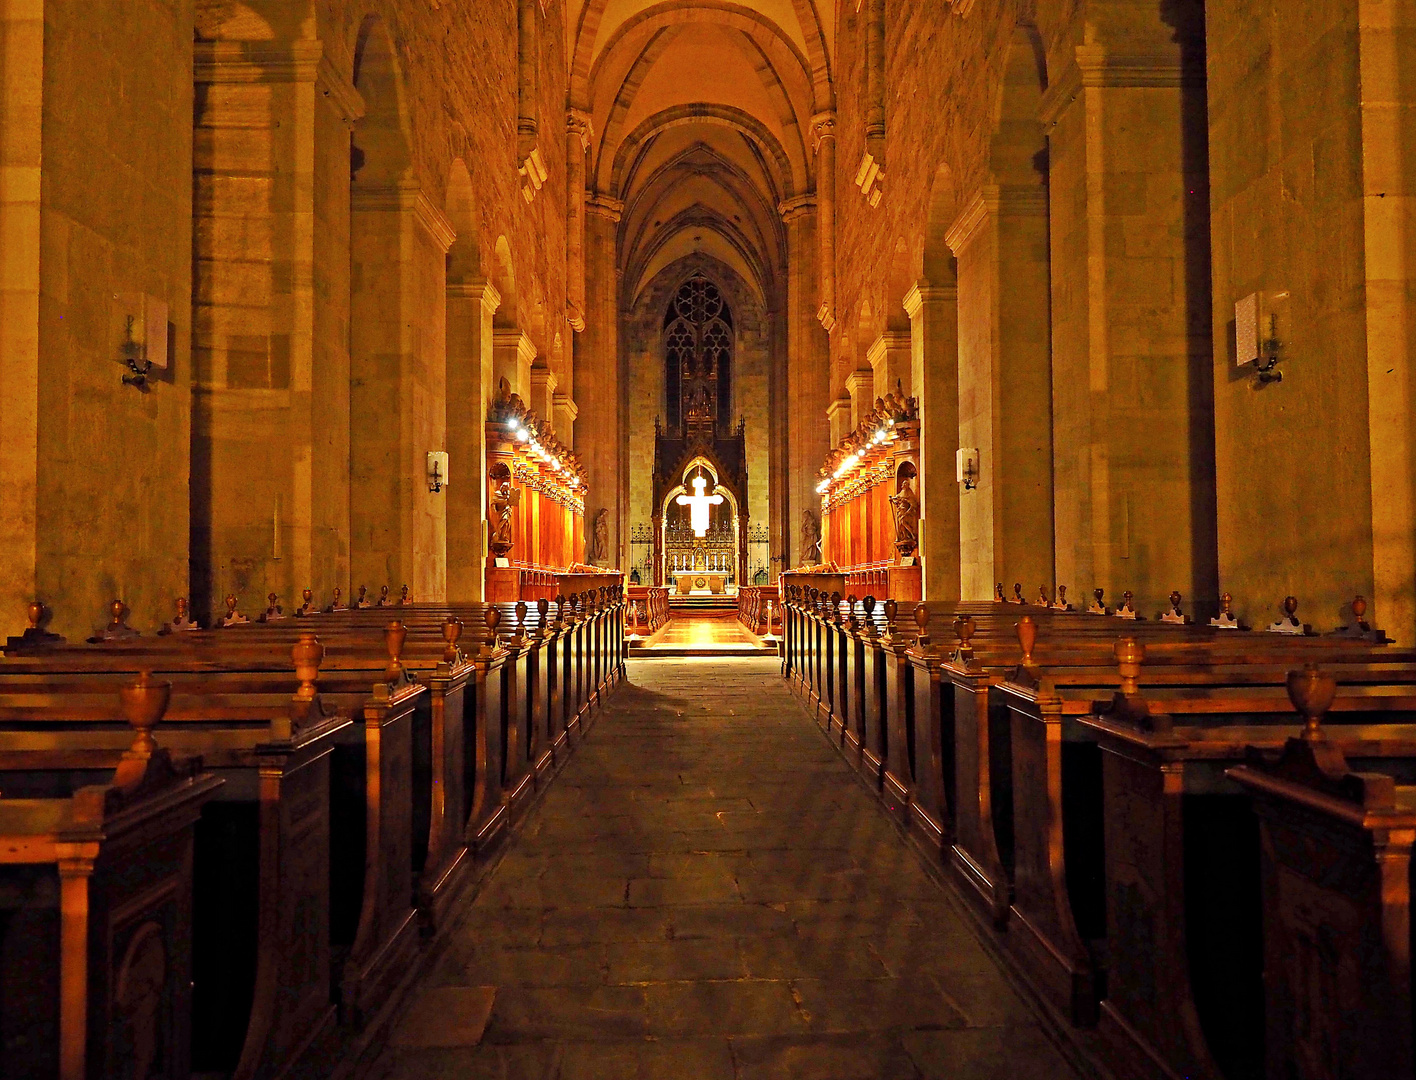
(95,929)
(1336,883)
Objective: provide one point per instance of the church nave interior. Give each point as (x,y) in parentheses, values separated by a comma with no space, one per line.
(750,538)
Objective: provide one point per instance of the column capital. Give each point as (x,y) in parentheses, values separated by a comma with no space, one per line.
(921,294)
(823,125)
(800,206)
(579,122)
(604,206)
(994,201)
(479,289)
(1096,65)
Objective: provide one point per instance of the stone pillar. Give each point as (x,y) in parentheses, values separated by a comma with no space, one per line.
(1000,243)
(891,363)
(1389,234)
(398,246)
(513,353)
(860,384)
(1133,446)
(543,391)
(470,390)
(934,340)
(838,417)
(271,366)
(578,134)
(564,412)
(21,92)
(823,126)
(808,378)
(597,363)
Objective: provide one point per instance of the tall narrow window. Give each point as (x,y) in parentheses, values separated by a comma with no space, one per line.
(698,357)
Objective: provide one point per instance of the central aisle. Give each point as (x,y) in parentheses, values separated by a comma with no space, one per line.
(707,892)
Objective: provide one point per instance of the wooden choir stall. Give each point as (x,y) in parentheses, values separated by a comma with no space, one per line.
(870,503)
(536,492)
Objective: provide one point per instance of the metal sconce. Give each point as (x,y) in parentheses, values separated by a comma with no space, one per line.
(140,326)
(437,470)
(1252,345)
(966,461)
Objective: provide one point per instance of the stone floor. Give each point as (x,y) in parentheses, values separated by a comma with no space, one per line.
(706,892)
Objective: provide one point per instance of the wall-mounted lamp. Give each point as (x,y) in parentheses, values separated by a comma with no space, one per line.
(1256,334)
(966,462)
(139,327)
(437,470)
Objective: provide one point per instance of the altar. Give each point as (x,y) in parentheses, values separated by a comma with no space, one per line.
(699,582)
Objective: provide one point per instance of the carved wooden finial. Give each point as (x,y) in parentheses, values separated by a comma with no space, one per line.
(1226,604)
(1359,607)
(1290,605)
(1018,593)
(965,627)
(232,616)
(521,610)
(1312,693)
(182,622)
(868,604)
(1061,604)
(560,608)
(144,703)
(921,618)
(34,612)
(1130,654)
(307,604)
(892,609)
(363,600)
(383,596)
(1288,623)
(492,617)
(1126,610)
(338,604)
(1098,605)
(998,592)
(273,612)
(1042,600)
(1027,638)
(395,633)
(307,654)
(404,600)
(452,633)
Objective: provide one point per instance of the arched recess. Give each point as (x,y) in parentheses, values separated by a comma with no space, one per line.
(1000,240)
(398,246)
(725,518)
(933,309)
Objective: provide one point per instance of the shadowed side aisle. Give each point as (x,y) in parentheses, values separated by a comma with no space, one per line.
(707,892)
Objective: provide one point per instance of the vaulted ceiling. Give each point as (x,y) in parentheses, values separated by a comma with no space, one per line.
(702,114)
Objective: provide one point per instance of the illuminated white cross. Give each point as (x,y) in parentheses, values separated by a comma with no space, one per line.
(698,504)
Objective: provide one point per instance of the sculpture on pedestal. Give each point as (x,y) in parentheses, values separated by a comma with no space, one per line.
(600,538)
(810,538)
(905,504)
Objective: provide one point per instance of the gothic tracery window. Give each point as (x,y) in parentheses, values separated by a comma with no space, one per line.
(698,354)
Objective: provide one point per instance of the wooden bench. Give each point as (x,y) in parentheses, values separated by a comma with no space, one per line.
(95,925)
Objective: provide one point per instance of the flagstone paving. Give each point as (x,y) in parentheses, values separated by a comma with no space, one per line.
(707,892)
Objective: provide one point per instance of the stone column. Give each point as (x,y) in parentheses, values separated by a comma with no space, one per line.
(578,133)
(823,126)
(470,390)
(808,377)
(565,412)
(934,341)
(860,384)
(838,417)
(513,353)
(543,391)
(891,363)
(398,245)
(1134,457)
(1000,242)
(271,366)
(597,364)
(22,39)
(1389,234)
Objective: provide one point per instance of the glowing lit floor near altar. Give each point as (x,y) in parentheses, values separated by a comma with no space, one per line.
(702,635)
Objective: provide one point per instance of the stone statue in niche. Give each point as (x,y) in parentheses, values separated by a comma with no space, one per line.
(600,537)
(810,538)
(905,503)
(502,509)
